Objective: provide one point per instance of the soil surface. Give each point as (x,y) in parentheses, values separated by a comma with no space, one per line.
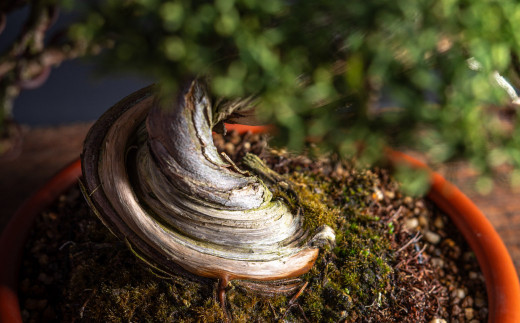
(396,258)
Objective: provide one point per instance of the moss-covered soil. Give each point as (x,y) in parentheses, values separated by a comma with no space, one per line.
(396,259)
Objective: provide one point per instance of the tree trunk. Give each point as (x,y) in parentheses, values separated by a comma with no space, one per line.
(155,179)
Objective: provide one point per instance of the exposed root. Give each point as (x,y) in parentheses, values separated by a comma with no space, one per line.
(221,295)
(292,303)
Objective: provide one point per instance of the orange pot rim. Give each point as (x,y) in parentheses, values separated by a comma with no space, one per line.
(502,282)
(15,234)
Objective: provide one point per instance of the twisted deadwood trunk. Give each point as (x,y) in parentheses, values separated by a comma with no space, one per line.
(156,180)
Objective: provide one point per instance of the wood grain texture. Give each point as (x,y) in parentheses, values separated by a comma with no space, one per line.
(166,190)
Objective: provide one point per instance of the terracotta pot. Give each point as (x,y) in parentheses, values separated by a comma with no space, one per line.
(503,287)
(15,234)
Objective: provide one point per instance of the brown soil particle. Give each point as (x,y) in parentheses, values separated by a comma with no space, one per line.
(396,259)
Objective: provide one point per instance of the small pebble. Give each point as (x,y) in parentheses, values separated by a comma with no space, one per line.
(25,315)
(37,289)
(49,314)
(458,293)
(284,185)
(378,195)
(468,256)
(229,148)
(437,262)
(50,215)
(235,138)
(479,302)
(419,204)
(35,304)
(339,171)
(473,275)
(423,221)
(467,302)
(432,237)
(455,310)
(469,313)
(50,234)
(438,223)
(483,312)
(45,279)
(247,146)
(43,259)
(36,248)
(411,223)
(450,243)
(438,320)
(390,195)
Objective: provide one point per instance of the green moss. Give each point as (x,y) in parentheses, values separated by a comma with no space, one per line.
(313,201)
(306,197)
(108,283)
(245,305)
(313,303)
(209,312)
(357,272)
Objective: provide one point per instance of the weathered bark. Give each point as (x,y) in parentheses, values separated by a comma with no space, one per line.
(155,178)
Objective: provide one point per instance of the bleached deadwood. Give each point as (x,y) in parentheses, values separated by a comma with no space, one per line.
(155,178)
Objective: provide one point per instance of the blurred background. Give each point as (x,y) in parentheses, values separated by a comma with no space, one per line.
(75,91)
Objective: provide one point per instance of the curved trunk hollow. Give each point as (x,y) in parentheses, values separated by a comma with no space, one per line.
(155,178)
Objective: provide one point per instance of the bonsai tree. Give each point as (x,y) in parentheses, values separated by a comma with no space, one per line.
(353,77)
(154,176)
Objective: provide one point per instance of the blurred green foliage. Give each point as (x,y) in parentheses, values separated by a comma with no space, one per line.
(340,72)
